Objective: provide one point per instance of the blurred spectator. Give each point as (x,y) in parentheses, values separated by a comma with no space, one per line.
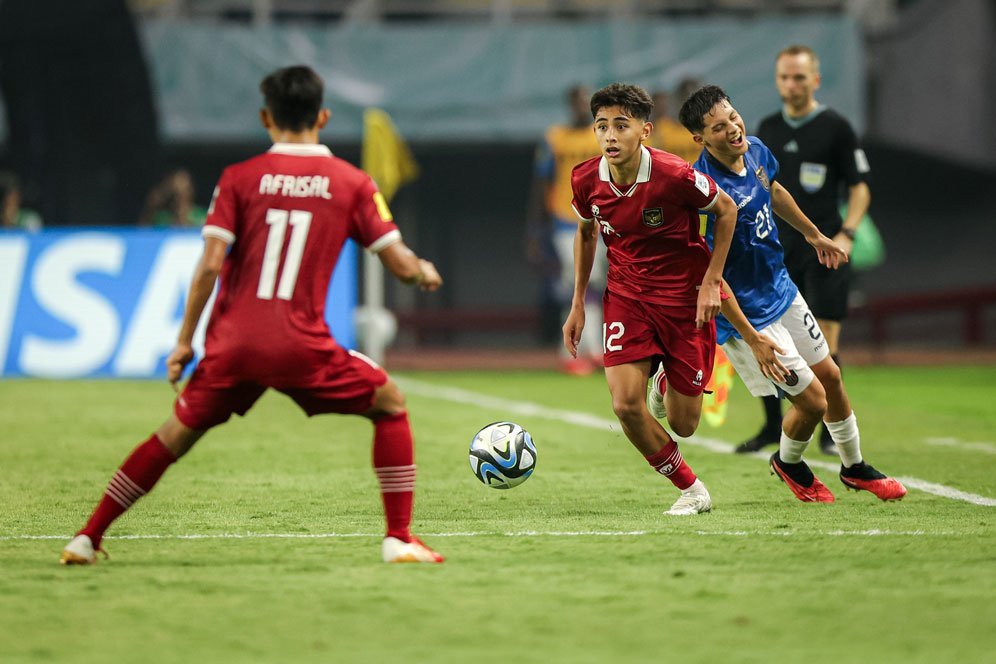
(12,215)
(552,224)
(171,203)
(668,133)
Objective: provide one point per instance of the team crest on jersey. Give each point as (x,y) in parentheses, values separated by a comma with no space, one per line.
(653,217)
(762,176)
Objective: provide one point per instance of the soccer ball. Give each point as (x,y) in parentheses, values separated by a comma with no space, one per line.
(502,455)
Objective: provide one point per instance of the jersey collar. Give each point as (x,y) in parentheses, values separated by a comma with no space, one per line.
(301,149)
(795,123)
(642,174)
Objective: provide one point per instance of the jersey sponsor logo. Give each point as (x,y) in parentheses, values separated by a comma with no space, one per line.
(792,379)
(762,177)
(812,176)
(653,217)
(791,146)
(697,381)
(594,210)
(744,200)
(861,161)
(295,186)
(702,183)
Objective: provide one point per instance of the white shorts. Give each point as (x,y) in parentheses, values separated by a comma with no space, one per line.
(796,333)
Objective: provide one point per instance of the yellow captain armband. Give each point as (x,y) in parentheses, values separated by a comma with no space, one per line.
(382,209)
(703,224)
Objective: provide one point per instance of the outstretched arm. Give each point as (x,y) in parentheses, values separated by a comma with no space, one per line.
(829,252)
(726,219)
(585,243)
(765,350)
(201,286)
(409,268)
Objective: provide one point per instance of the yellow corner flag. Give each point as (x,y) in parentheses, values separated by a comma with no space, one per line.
(714,405)
(386,157)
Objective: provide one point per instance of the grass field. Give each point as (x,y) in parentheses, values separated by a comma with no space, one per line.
(262,544)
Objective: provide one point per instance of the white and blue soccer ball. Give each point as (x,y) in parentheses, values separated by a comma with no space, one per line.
(502,455)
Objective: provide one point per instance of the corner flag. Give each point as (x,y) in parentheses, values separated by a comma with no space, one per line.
(386,157)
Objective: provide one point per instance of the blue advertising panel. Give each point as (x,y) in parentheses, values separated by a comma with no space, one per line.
(109,302)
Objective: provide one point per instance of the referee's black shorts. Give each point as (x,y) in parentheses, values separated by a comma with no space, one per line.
(825,290)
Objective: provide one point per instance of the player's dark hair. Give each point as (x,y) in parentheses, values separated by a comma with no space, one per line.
(633,99)
(294,97)
(698,104)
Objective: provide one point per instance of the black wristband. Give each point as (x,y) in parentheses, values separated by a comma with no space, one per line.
(848,233)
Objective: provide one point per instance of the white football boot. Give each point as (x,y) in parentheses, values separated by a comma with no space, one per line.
(655,394)
(398,551)
(80,551)
(693,500)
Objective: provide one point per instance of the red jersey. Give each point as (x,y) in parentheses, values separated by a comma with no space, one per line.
(651,228)
(286,215)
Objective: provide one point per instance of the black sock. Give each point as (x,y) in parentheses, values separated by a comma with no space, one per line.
(772,417)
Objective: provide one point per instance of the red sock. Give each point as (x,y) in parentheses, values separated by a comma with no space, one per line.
(669,463)
(394,463)
(135,478)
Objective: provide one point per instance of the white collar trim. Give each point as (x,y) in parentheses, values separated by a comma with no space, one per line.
(301,149)
(642,174)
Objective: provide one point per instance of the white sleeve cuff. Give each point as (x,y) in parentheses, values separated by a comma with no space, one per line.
(223,234)
(713,201)
(584,219)
(384,241)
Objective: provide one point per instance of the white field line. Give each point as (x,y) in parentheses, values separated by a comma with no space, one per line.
(988,448)
(529,409)
(522,533)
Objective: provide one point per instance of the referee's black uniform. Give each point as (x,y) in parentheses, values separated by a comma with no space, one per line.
(819,156)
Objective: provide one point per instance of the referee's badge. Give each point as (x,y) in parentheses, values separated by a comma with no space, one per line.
(653,217)
(762,176)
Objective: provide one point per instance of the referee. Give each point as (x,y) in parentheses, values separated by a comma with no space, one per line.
(819,156)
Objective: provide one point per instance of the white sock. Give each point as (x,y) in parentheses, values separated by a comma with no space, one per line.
(848,440)
(790,451)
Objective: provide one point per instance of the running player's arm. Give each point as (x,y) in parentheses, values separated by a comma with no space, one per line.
(409,268)
(764,349)
(201,286)
(585,243)
(829,252)
(726,219)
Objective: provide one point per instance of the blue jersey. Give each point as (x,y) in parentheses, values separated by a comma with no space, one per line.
(755,267)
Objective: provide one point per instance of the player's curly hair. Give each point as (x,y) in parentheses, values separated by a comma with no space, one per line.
(698,104)
(294,97)
(633,99)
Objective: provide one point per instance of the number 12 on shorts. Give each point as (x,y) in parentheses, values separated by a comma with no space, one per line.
(612,333)
(300,221)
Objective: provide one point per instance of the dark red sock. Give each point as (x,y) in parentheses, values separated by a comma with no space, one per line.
(394,463)
(669,463)
(135,478)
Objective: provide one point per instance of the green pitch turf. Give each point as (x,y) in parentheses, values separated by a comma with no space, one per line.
(282,518)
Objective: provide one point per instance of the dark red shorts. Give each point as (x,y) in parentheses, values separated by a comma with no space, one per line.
(636,330)
(346,386)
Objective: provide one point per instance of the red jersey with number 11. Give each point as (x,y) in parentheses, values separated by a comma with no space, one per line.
(286,215)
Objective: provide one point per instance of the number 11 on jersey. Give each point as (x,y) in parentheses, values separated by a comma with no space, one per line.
(300,221)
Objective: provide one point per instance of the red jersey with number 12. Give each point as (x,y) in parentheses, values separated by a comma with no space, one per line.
(286,215)
(651,228)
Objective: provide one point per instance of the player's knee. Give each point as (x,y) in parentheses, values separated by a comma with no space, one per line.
(388,399)
(684,427)
(830,377)
(627,408)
